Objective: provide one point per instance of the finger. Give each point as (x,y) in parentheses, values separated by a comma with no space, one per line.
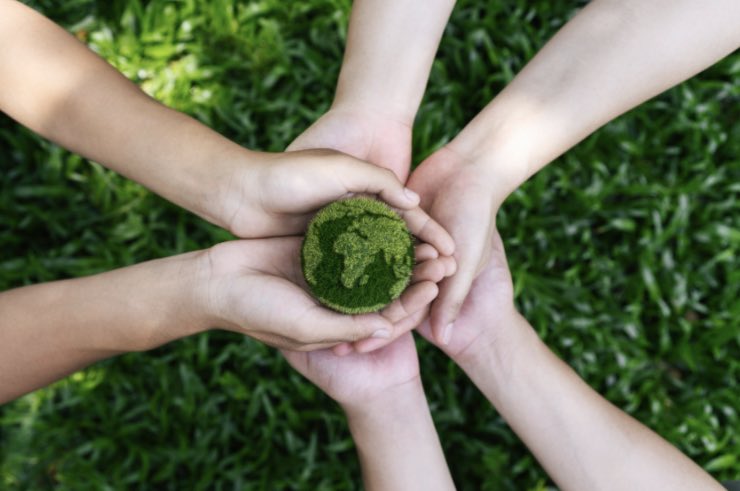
(415,298)
(342,349)
(432,270)
(288,344)
(404,326)
(358,176)
(450,265)
(403,313)
(427,230)
(452,293)
(322,325)
(425,329)
(424,252)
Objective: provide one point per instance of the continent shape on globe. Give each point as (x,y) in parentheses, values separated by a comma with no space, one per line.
(358,255)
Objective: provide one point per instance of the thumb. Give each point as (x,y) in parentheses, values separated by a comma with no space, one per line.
(452,294)
(358,176)
(324,326)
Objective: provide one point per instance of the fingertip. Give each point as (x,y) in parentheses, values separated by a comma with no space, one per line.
(450,265)
(447,334)
(447,245)
(368,345)
(442,321)
(411,196)
(373,326)
(425,252)
(342,349)
(432,270)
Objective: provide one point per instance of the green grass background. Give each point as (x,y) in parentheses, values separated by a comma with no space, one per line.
(624,254)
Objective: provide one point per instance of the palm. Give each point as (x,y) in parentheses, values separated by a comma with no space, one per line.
(491,298)
(456,196)
(359,377)
(386,143)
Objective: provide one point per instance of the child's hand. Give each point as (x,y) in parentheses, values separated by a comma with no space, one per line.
(256,287)
(486,317)
(277,194)
(357,379)
(363,134)
(461,197)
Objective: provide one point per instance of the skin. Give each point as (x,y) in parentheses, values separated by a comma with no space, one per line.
(372,115)
(387,411)
(611,57)
(373,112)
(553,411)
(50,330)
(252,194)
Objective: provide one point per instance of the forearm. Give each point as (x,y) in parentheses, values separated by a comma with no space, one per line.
(50,330)
(390,50)
(612,56)
(397,443)
(582,440)
(58,87)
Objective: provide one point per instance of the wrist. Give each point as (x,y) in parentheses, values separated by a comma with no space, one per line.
(173,299)
(376,113)
(230,189)
(500,352)
(504,143)
(388,406)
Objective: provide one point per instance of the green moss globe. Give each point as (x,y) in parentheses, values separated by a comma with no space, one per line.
(357,256)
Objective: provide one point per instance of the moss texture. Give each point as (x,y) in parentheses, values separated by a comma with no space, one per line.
(357,256)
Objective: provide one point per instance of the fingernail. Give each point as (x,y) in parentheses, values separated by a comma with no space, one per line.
(411,195)
(447,334)
(381,333)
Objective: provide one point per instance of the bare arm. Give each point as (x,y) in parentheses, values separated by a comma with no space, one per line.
(56,86)
(609,58)
(387,411)
(582,440)
(390,49)
(397,443)
(614,55)
(50,330)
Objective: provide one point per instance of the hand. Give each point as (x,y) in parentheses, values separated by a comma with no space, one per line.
(276,194)
(256,287)
(362,134)
(358,378)
(458,194)
(486,316)
(387,411)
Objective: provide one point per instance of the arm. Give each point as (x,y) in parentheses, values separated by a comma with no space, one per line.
(56,86)
(50,330)
(397,443)
(387,411)
(389,53)
(252,287)
(612,56)
(582,441)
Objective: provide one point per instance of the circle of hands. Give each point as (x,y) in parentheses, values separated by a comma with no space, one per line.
(461,278)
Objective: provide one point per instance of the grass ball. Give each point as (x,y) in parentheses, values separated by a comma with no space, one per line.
(357,256)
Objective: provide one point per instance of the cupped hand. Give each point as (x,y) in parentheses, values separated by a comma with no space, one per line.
(358,378)
(256,287)
(279,194)
(462,198)
(362,134)
(487,312)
